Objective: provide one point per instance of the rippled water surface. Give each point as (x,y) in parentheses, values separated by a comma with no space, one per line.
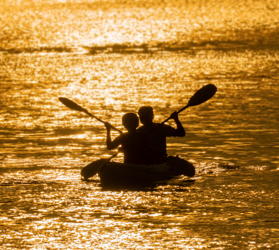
(112,57)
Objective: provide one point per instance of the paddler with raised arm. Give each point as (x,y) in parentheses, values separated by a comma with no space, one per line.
(154,136)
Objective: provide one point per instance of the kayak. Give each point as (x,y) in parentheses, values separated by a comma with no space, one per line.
(116,174)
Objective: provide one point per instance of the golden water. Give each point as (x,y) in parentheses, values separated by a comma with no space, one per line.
(112,57)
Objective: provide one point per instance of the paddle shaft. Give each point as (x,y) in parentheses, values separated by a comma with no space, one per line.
(180,110)
(100,120)
(93,116)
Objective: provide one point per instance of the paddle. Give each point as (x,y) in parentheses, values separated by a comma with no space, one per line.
(72,105)
(201,96)
(94,167)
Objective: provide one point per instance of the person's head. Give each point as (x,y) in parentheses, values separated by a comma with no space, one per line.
(130,121)
(146,115)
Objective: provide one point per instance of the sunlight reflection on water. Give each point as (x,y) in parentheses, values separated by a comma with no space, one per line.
(165,51)
(87,216)
(45,145)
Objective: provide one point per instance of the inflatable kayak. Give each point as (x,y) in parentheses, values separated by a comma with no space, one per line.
(115,174)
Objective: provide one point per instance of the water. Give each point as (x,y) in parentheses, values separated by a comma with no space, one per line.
(113,57)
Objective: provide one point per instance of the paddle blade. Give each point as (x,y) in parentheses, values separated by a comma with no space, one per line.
(91,169)
(202,95)
(70,104)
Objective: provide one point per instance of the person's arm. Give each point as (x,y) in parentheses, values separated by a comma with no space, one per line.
(111,144)
(179,131)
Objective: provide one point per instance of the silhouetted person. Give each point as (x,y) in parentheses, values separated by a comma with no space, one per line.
(130,141)
(154,136)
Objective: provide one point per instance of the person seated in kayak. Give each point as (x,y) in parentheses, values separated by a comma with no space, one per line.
(130,141)
(154,135)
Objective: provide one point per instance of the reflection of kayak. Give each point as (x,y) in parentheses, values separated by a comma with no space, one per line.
(114,174)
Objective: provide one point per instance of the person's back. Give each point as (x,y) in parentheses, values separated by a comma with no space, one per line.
(130,145)
(154,135)
(130,141)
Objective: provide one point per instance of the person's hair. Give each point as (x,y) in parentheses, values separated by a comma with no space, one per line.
(146,114)
(130,120)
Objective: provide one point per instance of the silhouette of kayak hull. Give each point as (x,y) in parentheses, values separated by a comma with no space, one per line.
(114,174)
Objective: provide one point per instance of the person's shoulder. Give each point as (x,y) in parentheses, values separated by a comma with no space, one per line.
(140,128)
(161,126)
(154,125)
(122,136)
(164,129)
